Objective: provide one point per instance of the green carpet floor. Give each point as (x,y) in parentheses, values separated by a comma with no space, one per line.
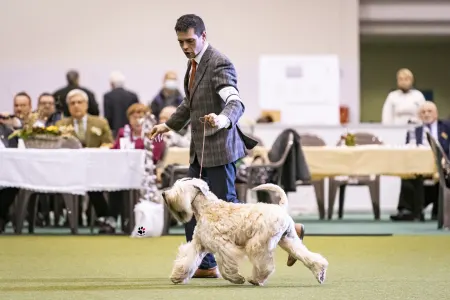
(97,267)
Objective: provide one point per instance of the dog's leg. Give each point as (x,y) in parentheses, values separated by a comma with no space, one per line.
(313,261)
(189,257)
(228,267)
(263,267)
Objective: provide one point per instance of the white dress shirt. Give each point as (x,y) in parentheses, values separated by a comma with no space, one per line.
(75,123)
(433,131)
(400,107)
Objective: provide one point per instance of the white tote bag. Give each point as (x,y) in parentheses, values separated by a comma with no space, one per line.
(149,218)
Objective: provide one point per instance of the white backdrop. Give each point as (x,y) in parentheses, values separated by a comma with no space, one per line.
(41,39)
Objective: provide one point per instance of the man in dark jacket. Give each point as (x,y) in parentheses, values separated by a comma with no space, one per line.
(60,95)
(414,195)
(169,95)
(117,101)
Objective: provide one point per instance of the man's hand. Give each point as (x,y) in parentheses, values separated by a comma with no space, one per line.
(158,131)
(214,120)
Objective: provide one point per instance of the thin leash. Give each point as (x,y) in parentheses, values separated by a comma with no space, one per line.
(202,120)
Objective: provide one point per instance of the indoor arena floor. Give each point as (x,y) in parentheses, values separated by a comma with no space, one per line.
(119,267)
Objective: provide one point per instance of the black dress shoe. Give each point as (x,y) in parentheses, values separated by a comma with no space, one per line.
(106,229)
(403,217)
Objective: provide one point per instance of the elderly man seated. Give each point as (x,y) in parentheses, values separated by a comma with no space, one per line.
(93,132)
(414,195)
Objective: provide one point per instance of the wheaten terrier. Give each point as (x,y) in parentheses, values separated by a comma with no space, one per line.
(234,231)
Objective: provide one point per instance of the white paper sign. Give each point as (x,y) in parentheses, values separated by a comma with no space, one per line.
(305,89)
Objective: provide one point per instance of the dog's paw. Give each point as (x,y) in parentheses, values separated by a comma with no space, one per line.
(176,280)
(237,280)
(255,282)
(320,272)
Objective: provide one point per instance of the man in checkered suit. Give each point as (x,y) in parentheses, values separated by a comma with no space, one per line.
(212,96)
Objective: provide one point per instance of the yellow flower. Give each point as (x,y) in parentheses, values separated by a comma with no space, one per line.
(52,129)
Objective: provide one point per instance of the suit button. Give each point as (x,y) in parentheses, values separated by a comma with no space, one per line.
(193,131)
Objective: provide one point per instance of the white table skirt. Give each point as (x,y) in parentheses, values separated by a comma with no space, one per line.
(72,171)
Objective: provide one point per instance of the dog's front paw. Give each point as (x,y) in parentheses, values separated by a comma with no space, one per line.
(177,280)
(254,282)
(237,280)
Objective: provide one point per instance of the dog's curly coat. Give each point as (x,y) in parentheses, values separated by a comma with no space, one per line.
(233,231)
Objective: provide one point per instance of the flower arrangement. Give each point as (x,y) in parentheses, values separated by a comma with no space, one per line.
(348,139)
(32,127)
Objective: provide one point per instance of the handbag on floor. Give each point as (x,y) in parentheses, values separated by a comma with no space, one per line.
(149,218)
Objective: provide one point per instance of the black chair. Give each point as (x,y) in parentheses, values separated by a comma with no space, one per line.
(443,167)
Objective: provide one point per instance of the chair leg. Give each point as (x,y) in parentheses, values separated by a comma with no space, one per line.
(33,210)
(333,187)
(319,189)
(342,189)
(166,220)
(71,203)
(374,189)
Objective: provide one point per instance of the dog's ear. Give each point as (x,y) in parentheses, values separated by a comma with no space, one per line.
(201,185)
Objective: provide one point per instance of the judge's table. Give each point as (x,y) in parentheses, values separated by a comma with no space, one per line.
(325,161)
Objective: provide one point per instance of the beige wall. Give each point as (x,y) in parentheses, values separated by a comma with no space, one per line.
(429,61)
(41,41)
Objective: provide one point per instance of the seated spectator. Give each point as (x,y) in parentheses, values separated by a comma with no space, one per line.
(172,138)
(93,132)
(169,95)
(22,111)
(414,195)
(47,114)
(134,113)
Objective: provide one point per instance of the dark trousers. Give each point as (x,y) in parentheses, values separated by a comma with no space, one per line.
(415,196)
(103,208)
(221,182)
(7,197)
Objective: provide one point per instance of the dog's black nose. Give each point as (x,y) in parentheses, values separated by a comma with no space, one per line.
(164,195)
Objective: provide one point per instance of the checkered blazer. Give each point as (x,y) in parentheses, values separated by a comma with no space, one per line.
(223,146)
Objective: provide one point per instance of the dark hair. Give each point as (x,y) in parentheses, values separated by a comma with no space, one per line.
(23,94)
(43,95)
(185,22)
(72,77)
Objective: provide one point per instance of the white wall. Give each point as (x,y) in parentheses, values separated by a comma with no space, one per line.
(41,39)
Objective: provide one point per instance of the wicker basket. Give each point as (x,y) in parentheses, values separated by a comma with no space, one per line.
(43,141)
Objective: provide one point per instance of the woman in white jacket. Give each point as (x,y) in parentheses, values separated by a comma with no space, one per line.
(402,105)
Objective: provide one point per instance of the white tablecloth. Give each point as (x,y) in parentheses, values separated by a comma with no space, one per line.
(72,171)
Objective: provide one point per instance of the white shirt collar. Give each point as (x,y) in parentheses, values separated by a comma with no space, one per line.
(198,58)
(84,120)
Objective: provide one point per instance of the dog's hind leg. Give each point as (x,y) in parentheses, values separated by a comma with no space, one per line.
(228,267)
(313,261)
(263,267)
(189,257)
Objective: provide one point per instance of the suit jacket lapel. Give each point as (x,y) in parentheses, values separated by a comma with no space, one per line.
(439,132)
(201,69)
(186,81)
(87,134)
(419,135)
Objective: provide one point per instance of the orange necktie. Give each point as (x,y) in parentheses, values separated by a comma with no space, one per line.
(192,77)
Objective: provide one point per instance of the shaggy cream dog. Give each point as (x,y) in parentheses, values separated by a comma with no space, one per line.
(234,231)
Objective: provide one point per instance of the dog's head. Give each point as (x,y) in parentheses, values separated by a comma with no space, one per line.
(179,198)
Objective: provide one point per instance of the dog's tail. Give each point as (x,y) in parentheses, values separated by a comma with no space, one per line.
(274,188)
